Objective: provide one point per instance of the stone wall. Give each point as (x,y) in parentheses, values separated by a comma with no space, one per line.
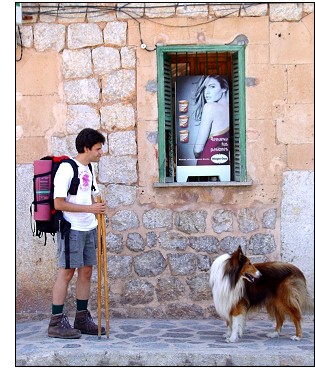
(89,71)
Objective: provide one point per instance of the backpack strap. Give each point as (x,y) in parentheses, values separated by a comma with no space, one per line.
(67,250)
(91,170)
(75,182)
(35,201)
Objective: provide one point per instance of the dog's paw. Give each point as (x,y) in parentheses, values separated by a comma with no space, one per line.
(227,334)
(294,337)
(231,339)
(273,334)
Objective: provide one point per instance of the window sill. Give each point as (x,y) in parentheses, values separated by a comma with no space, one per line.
(203,184)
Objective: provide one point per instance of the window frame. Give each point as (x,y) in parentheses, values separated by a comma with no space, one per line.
(239,113)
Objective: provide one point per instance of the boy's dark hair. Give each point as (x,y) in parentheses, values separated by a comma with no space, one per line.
(87,138)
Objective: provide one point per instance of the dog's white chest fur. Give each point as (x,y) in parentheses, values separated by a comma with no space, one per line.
(224,296)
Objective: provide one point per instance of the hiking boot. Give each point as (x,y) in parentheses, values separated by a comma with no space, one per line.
(84,322)
(59,327)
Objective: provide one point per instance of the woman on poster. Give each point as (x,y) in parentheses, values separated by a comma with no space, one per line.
(212,111)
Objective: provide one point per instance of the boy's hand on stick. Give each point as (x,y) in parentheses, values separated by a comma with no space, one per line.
(98,208)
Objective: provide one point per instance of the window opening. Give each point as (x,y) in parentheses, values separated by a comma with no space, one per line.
(179,63)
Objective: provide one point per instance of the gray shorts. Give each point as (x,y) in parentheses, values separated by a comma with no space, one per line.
(82,246)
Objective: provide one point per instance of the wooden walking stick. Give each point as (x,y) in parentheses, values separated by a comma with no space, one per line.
(104,252)
(99,275)
(102,257)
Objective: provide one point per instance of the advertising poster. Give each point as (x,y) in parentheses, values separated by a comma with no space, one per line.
(202,127)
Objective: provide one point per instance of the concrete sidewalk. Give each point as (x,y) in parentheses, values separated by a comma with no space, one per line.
(135,342)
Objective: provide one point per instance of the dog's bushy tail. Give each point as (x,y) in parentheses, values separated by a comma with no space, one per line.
(300,296)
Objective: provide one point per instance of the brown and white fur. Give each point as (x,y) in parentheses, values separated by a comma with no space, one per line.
(239,286)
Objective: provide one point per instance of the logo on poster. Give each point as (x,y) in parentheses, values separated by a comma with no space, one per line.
(219,158)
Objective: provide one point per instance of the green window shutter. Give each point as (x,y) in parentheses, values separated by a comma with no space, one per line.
(169,129)
(238,109)
(166,129)
(236,119)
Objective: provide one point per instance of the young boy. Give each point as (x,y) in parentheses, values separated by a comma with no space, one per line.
(80,248)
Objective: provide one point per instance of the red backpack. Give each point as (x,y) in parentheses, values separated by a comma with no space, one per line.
(46,218)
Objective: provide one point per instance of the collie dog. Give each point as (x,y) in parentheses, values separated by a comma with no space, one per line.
(239,286)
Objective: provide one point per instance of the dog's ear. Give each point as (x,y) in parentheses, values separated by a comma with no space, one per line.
(239,252)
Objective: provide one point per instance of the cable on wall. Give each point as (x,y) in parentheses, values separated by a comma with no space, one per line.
(20,36)
(62,10)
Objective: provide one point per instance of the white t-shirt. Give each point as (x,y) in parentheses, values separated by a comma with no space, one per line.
(82,221)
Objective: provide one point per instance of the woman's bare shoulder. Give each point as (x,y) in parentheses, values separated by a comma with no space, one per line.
(215,107)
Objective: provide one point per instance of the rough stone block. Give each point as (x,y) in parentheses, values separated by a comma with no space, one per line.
(105,59)
(84,35)
(115,33)
(49,37)
(82,91)
(76,64)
